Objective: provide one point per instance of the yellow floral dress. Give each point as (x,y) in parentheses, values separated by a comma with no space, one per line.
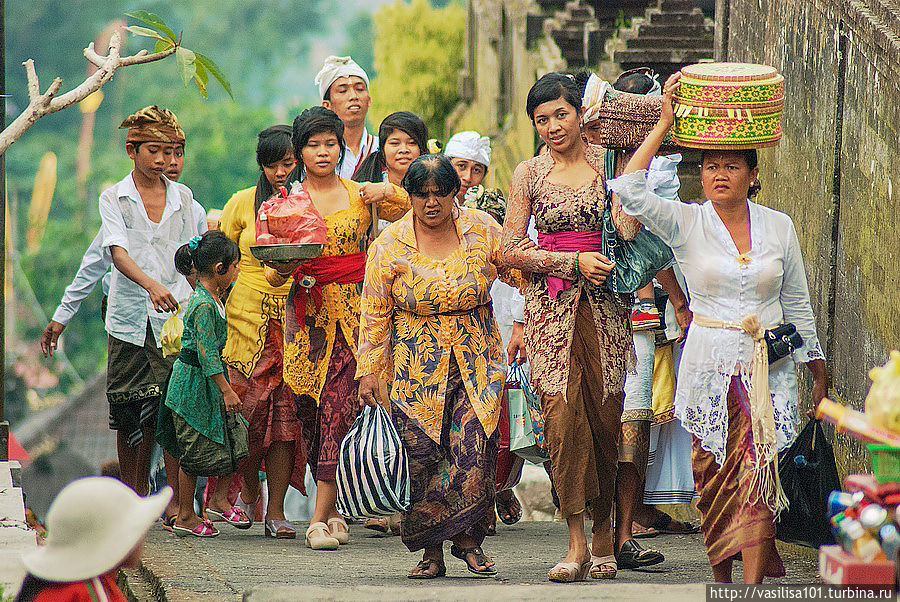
(418,311)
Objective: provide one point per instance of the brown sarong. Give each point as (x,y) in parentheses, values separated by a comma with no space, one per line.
(582,429)
(268,404)
(728,520)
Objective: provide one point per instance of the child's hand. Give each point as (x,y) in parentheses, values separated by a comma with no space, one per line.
(232,401)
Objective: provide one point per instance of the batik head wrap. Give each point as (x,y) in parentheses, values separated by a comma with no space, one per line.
(470,145)
(153,124)
(336,67)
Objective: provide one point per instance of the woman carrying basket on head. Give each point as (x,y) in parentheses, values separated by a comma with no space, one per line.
(744,269)
(428,328)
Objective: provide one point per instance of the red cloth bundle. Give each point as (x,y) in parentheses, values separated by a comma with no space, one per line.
(290,218)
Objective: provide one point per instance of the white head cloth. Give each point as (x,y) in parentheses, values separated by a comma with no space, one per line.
(336,67)
(594,93)
(469,145)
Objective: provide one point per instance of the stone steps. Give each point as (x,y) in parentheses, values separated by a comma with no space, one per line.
(677,31)
(656,16)
(655,43)
(15,536)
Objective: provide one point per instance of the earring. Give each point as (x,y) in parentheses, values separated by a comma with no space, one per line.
(455,211)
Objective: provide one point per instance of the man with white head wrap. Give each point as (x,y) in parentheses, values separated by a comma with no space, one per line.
(344,88)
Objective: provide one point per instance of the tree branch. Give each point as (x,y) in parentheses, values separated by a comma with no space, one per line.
(40,105)
(34,86)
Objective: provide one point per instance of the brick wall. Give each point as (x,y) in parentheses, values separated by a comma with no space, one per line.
(837,169)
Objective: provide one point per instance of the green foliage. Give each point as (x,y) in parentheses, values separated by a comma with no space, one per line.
(418,56)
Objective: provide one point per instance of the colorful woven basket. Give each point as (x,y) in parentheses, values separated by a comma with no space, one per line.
(728,106)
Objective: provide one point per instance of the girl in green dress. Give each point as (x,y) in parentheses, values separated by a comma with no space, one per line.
(198,389)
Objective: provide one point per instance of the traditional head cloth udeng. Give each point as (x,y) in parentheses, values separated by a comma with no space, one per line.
(470,145)
(594,93)
(335,67)
(153,124)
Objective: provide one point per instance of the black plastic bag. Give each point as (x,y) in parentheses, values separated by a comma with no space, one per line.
(808,474)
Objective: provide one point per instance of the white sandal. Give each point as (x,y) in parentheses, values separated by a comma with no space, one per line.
(568,572)
(601,562)
(249,508)
(343,536)
(319,538)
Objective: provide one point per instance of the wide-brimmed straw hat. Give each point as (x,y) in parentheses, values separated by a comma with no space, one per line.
(93,524)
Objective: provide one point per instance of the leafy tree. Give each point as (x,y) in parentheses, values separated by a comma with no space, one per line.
(418,56)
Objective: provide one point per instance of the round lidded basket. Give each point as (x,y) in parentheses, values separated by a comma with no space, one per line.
(728,106)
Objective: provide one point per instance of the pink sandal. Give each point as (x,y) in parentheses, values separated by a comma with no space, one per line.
(234,516)
(204,529)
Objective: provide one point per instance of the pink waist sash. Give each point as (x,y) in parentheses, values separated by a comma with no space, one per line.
(568,241)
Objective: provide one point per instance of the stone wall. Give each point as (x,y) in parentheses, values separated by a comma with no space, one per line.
(837,169)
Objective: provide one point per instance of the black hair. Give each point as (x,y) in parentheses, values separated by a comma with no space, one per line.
(581,78)
(551,87)
(31,587)
(751,158)
(213,247)
(370,170)
(428,169)
(634,82)
(274,142)
(312,121)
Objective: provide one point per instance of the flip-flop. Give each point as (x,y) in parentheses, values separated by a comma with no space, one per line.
(632,556)
(424,565)
(504,510)
(480,559)
(204,529)
(234,516)
(663,522)
(168,522)
(638,531)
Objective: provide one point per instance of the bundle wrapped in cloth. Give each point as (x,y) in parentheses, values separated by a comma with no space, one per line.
(288,226)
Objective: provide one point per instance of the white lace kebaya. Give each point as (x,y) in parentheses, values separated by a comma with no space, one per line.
(769,281)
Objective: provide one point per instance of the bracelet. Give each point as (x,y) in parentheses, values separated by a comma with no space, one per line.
(577,253)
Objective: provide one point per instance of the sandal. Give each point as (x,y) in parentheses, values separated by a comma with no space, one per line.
(632,556)
(480,559)
(569,572)
(248,508)
(234,516)
(604,567)
(378,524)
(204,529)
(279,529)
(168,522)
(510,510)
(666,525)
(342,536)
(424,565)
(319,538)
(639,531)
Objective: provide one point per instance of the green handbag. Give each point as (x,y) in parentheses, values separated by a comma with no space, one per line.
(638,260)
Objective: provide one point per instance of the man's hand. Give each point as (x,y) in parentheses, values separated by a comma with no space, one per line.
(50,336)
(684,316)
(368,390)
(161,298)
(516,348)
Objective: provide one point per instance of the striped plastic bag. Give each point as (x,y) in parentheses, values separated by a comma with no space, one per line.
(373,470)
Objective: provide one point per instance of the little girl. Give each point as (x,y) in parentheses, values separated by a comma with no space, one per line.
(198,388)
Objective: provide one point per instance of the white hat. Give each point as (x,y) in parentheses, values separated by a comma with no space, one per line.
(92,525)
(336,67)
(594,93)
(470,145)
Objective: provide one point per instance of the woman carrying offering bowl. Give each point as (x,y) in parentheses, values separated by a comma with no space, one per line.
(743,266)
(322,310)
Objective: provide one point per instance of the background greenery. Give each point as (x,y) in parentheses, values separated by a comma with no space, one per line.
(269,50)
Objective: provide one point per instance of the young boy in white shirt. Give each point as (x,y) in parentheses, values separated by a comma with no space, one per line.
(145,218)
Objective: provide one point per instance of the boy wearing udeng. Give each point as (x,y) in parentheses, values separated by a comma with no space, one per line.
(145,218)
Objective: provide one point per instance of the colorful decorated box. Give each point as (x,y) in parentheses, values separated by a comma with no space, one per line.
(728,106)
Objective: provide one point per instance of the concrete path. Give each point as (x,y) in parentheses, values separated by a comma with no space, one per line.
(244,564)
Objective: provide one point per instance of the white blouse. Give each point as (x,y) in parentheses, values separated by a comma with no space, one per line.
(772,285)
